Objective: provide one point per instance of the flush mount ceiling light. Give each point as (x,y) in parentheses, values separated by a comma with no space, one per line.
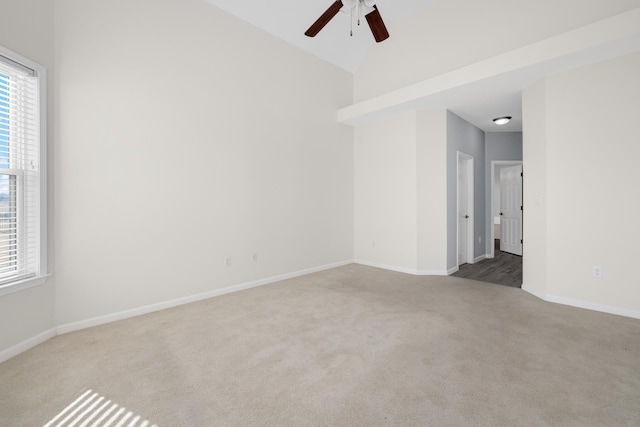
(502,120)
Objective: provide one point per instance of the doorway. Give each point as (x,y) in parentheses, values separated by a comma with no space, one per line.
(465,209)
(511,210)
(501,267)
(495,229)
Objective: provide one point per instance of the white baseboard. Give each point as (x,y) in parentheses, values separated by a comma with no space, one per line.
(126,314)
(583,304)
(405,270)
(432,273)
(480,258)
(534,292)
(386,267)
(101,320)
(70,327)
(26,345)
(453,270)
(593,306)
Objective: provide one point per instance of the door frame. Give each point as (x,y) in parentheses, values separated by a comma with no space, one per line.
(492,236)
(467,161)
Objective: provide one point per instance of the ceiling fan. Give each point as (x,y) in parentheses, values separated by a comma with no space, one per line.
(367,7)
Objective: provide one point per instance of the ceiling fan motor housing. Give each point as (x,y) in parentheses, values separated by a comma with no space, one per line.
(368,9)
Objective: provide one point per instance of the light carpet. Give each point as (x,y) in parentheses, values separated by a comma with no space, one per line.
(351,346)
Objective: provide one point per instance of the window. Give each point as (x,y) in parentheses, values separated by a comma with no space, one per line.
(22,171)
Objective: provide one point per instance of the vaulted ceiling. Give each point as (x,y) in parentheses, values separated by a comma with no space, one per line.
(476,99)
(289,19)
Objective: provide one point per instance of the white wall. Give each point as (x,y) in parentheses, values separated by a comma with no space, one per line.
(386,193)
(26,27)
(582,128)
(534,153)
(448,35)
(431,159)
(401,192)
(185,136)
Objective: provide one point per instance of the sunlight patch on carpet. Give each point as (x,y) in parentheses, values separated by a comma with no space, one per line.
(92,410)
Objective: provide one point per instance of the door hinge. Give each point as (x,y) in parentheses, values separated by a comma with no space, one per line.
(520,241)
(520,207)
(521,174)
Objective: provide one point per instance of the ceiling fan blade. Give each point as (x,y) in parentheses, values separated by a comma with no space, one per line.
(377,26)
(324,19)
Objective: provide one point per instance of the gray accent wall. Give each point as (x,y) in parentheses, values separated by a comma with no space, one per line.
(463,136)
(498,146)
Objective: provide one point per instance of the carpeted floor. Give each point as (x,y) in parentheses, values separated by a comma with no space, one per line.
(352,346)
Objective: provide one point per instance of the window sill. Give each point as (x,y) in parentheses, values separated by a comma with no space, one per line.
(21,285)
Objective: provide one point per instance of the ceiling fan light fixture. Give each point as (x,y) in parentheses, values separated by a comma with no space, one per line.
(502,120)
(366,8)
(357,7)
(349,4)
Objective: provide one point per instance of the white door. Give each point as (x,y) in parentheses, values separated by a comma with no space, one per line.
(465,208)
(463,212)
(511,209)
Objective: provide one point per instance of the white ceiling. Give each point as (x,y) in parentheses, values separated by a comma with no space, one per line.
(289,19)
(478,103)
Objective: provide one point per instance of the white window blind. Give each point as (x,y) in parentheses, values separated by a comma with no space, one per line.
(20,169)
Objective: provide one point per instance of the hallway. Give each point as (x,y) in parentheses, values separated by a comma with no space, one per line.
(504,269)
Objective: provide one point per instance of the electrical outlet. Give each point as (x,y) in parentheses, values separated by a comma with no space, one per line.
(597,272)
(227,261)
(479,239)
(254,257)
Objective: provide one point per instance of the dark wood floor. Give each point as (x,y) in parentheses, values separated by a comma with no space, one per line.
(503,269)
